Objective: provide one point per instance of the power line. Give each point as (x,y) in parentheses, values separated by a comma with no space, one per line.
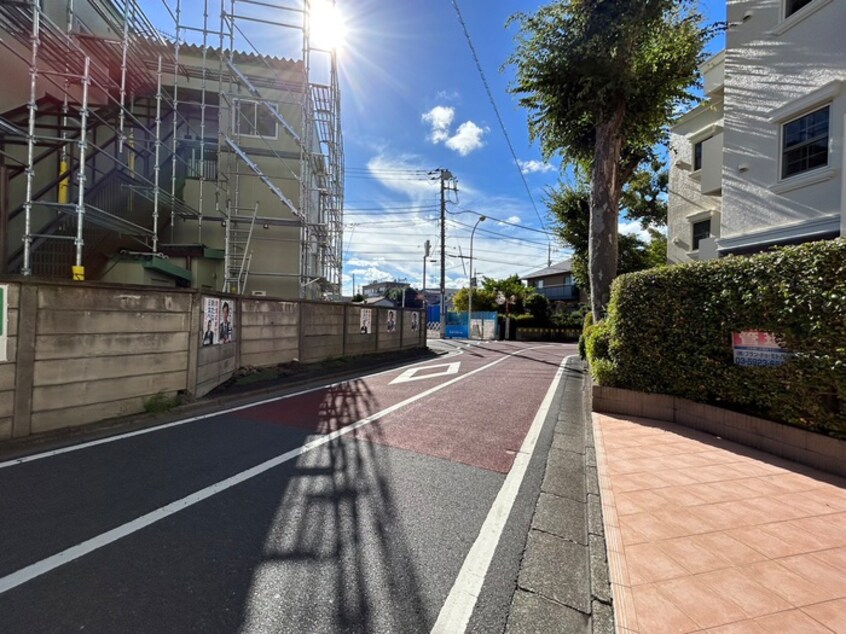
(496,109)
(500,235)
(504,222)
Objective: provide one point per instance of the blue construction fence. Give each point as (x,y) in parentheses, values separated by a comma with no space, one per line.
(482,324)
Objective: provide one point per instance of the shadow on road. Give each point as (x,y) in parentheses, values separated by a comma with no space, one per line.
(336,556)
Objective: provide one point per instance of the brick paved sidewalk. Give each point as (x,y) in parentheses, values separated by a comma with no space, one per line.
(706,535)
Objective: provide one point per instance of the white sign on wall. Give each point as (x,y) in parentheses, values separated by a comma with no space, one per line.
(755,348)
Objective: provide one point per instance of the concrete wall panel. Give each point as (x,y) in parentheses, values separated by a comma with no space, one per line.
(121,299)
(68,395)
(109,322)
(70,347)
(59,418)
(62,371)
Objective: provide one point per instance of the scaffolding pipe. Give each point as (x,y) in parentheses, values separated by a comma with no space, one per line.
(203,123)
(227,229)
(30,149)
(157,167)
(124,51)
(78,271)
(175,106)
(304,151)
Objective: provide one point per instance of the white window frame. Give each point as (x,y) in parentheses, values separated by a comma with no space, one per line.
(789,21)
(710,220)
(781,150)
(256,105)
(539,284)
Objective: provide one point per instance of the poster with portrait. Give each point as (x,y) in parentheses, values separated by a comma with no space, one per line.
(391,322)
(415,321)
(218,321)
(365,321)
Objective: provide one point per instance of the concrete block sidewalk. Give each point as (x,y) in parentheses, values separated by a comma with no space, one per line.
(563,584)
(707,535)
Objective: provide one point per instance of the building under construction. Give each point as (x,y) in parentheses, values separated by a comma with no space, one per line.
(129,153)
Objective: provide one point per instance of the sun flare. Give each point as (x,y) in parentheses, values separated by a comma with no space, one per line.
(326,25)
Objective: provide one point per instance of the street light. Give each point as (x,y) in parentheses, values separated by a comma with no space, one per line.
(472,281)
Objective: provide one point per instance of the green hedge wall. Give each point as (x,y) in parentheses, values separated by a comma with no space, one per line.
(669,331)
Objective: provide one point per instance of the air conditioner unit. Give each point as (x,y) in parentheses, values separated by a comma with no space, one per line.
(259,293)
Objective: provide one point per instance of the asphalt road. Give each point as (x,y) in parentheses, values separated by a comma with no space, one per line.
(346,508)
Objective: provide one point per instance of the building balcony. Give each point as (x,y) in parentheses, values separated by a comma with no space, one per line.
(561,292)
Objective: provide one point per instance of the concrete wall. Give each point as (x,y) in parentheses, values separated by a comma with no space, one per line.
(99,352)
(80,353)
(269,332)
(322,331)
(8,368)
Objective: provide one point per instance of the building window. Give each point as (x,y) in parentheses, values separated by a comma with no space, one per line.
(794,5)
(539,284)
(697,155)
(701,231)
(805,143)
(254,119)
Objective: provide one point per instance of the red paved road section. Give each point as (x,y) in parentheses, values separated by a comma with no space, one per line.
(480,421)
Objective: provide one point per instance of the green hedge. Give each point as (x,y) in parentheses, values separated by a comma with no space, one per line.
(669,331)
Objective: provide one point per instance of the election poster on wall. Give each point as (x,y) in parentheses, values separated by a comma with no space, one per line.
(4,320)
(391,322)
(366,321)
(218,321)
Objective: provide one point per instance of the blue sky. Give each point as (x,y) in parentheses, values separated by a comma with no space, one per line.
(413,101)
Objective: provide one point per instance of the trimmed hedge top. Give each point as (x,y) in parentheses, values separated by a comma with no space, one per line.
(670,331)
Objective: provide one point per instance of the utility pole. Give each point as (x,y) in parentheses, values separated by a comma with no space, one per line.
(427,250)
(447,184)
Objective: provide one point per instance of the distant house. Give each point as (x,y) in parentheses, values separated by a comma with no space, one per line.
(380,302)
(379,289)
(433,298)
(555,282)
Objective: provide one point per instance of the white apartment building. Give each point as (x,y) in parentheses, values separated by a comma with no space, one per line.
(761,161)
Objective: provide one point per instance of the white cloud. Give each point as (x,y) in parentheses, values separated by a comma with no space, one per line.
(444,95)
(535,167)
(634,229)
(467,138)
(386,169)
(440,118)
(514,219)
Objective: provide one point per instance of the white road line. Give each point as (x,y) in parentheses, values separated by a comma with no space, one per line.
(193,419)
(461,601)
(39,568)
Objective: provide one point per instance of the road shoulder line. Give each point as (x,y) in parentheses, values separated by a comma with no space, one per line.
(458,608)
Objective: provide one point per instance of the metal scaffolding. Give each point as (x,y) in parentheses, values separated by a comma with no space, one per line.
(126,111)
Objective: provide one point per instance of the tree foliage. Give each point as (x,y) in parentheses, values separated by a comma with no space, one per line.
(601,81)
(645,202)
(484,298)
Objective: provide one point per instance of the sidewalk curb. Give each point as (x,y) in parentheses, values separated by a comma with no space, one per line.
(564,583)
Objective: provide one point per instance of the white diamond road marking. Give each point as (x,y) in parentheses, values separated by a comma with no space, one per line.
(412,373)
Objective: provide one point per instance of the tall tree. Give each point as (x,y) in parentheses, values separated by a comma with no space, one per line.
(601,80)
(643,200)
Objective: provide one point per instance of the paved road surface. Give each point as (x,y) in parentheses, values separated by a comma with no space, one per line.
(348,508)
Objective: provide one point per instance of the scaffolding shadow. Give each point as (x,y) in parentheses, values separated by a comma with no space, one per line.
(337,536)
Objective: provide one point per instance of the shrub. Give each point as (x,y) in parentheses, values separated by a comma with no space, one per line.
(587,323)
(669,331)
